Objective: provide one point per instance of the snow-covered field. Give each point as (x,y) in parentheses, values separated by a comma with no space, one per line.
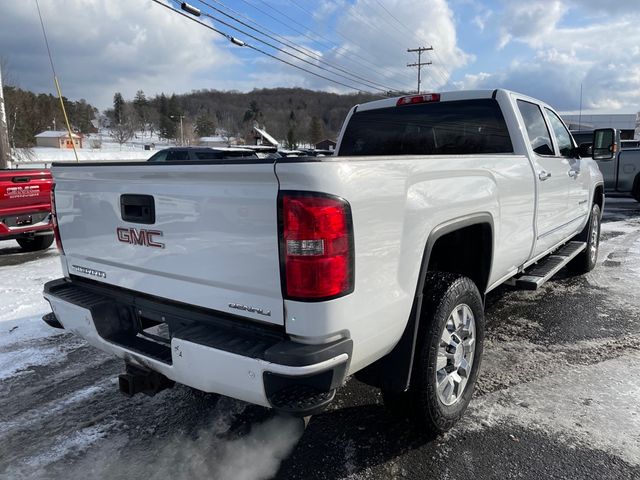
(109,151)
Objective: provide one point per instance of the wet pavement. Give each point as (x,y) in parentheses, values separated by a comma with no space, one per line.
(558,396)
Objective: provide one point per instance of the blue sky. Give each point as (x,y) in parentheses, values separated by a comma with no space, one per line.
(544,48)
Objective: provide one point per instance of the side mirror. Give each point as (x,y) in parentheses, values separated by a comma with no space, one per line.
(585,149)
(604,144)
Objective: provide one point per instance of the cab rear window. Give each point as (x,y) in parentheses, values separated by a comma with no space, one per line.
(458,127)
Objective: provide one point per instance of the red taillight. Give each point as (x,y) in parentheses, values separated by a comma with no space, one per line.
(54,220)
(317,246)
(413,99)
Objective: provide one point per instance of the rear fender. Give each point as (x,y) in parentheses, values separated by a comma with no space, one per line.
(393,371)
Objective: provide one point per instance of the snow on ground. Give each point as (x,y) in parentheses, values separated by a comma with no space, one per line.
(109,150)
(21,298)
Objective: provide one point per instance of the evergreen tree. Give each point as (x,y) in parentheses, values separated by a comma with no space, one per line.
(205,126)
(118,108)
(316,132)
(140,104)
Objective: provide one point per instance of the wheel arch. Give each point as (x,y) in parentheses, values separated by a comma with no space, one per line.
(393,371)
(598,195)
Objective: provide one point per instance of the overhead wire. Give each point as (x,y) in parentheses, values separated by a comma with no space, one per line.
(343,36)
(270,45)
(438,67)
(351,76)
(253,47)
(326,42)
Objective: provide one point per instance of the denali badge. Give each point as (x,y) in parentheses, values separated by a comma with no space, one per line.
(246,308)
(89,271)
(141,236)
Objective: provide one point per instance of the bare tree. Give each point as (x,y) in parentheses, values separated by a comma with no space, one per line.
(122,132)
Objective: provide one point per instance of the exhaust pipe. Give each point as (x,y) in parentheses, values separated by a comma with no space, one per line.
(138,380)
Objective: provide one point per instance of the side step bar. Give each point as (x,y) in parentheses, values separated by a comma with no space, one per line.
(547,267)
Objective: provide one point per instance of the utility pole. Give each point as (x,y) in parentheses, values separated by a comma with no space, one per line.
(181,129)
(5,152)
(420,63)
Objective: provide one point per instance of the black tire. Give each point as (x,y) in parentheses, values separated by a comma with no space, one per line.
(635,191)
(444,292)
(33,244)
(586,260)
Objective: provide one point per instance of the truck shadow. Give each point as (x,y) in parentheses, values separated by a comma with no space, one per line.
(11,256)
(350,440)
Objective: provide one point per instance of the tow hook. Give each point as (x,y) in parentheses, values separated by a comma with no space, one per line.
(138,380)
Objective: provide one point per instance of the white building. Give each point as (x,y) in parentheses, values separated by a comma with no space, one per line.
(625,122)
(58,139)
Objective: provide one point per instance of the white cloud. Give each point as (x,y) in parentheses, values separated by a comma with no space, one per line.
(102,47)
(481,19)
(373,43)
(602,54)
(531,22)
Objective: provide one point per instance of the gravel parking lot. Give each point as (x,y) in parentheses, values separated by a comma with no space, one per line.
(558,396)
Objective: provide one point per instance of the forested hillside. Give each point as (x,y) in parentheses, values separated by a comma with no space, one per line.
(29,113)
(294,114)
(291,114)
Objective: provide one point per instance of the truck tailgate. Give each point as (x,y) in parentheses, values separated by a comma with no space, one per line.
(24,191)
(204,234)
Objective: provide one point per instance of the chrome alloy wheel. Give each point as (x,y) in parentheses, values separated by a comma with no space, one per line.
(455,354)
(595,238)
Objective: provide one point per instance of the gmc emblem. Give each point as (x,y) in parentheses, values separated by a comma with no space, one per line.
(140,236)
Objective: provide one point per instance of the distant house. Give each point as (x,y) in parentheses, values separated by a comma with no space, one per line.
(58,139)
(326,144)
(261,137)
(219,141)
(215,141)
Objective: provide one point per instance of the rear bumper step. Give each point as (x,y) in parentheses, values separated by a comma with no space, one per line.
(205,350)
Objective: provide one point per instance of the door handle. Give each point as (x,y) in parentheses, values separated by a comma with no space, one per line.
(543,175)
(573,173)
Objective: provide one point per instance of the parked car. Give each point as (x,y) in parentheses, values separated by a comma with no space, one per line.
(201,153)
(25,208)
(621,171)
(289,276)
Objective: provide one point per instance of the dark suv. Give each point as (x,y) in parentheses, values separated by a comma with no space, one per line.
(201,153)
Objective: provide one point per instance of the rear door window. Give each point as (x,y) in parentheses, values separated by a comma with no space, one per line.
(537,130)
(457,127)
(208,155)
(178,155)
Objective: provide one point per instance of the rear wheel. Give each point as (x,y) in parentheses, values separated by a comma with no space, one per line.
(586,260)
(635,192)
(39,242)
(448,354)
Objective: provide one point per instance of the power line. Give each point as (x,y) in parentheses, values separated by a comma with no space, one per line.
(369,85)
(314,56)
(242,43)
(362,19)
(326,42)
(420,63)
(443,77)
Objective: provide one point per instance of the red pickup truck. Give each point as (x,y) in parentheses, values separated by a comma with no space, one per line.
(25,208)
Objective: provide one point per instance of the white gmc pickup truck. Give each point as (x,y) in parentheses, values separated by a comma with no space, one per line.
(272,281)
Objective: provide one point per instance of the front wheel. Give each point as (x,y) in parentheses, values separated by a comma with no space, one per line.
(448,354)
(32,244)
